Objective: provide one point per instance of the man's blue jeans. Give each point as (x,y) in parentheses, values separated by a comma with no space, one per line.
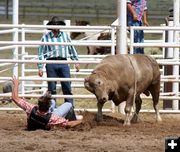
(63,110)
(59,71)
(138,35)
(66,110)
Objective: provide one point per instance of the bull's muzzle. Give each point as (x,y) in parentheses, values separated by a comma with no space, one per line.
(103,100)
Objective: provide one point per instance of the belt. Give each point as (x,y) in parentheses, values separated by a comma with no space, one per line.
(56,58)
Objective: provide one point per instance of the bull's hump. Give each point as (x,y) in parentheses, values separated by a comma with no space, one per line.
(112,60)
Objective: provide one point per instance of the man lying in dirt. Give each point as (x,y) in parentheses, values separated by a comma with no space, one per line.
(39,116)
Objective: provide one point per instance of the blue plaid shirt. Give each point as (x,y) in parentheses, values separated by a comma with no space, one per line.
(50,51)
(139,6)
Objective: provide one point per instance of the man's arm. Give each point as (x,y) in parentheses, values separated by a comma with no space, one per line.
(145,21)
(57,120)
(40,57)
(26,106)
(15,96)
(132,11)
(74,123)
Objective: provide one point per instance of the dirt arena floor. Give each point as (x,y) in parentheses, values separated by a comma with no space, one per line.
(90,136)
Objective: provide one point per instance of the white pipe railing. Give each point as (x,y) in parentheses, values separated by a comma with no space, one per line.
(46,61)
(95,110)
(75,43)
(7,31)
(73,62)
(5,64)
(80,56)
(81,60)
(74,85)
(44,79)
(155,28)
(165,45)
(176,21)
(82,96)
(71,70)
(7,47)
(76,109)
(67,79)
(69,28)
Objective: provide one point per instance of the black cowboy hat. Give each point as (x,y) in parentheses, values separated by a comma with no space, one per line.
(55,21)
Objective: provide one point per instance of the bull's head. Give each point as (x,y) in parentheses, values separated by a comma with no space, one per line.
(98,85)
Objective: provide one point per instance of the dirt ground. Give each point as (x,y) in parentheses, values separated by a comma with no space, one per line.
(90,136)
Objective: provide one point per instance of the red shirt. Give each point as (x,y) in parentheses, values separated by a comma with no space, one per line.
(54,119)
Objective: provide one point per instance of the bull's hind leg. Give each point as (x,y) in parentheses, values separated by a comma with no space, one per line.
(138,103)
(155,90)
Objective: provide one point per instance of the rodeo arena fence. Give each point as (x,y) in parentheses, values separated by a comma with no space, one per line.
(169,43)
(19,49)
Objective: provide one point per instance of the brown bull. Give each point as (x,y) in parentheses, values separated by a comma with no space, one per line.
(123,78)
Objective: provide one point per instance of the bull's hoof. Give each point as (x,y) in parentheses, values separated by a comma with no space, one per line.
(134,119)
(126,124)
(98,119)
(158,119)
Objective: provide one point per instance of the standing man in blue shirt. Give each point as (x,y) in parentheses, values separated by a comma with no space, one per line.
(57,52)
(137,16)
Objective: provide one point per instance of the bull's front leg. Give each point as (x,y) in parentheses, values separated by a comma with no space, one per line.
(128,111)
(99,116)
(127,121)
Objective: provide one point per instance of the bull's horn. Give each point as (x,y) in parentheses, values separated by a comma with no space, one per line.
(86,79)
(94,72)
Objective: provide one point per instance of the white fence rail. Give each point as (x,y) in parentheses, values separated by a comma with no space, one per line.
(31,59)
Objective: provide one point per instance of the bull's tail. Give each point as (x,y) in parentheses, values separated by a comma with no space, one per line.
(135,82)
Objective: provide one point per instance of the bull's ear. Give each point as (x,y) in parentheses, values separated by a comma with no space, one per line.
(86,82)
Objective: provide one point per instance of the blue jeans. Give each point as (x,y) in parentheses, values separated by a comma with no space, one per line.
(138,35)
(59,71)
(63,110)
(66,110)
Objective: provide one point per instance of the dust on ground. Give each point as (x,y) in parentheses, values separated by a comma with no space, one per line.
(90,136)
